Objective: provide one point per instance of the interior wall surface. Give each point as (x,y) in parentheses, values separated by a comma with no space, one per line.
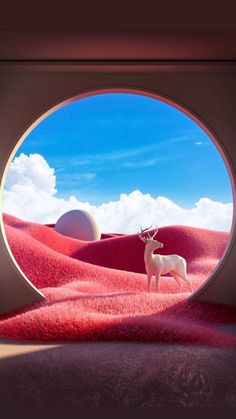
(30,91)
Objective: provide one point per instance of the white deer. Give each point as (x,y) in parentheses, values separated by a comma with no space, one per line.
(162,264)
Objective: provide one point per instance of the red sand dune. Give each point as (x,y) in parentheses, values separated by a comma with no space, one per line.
(98,290)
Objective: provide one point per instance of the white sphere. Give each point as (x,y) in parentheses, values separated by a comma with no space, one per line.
(78,224)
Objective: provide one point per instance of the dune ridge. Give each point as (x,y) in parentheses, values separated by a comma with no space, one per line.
(98,290)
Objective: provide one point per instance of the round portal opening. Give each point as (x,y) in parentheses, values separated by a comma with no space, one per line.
(131,161)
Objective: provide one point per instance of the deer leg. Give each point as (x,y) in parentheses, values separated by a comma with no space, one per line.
(149,278)
(189,283)
(186,279)
(183,275)
(175,276)
(157,282)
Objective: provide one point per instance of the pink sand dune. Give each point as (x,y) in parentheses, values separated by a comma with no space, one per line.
(98,290)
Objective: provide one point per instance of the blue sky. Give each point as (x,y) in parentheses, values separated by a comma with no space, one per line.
(108,144)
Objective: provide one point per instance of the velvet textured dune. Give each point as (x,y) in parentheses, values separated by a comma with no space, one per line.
(98,290)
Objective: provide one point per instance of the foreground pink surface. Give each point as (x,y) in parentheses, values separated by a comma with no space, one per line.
(98,291)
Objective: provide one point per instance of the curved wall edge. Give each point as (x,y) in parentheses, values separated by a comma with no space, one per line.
(29,95)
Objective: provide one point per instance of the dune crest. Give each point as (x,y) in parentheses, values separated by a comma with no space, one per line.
(98,290)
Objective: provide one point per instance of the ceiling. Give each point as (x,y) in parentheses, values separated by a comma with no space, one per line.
(164,32)
(116,45)
(151,15)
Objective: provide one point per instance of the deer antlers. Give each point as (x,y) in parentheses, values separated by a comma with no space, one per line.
(149,236)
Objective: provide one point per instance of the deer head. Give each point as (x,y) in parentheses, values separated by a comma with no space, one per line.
(149,238)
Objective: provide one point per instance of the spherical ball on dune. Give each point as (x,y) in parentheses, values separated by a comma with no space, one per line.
(78,224)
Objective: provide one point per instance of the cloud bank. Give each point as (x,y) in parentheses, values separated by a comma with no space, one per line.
(30,194)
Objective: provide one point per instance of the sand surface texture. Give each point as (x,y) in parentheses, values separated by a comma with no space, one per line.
(98,290)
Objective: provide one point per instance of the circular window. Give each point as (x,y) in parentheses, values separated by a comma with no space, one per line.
(132,162)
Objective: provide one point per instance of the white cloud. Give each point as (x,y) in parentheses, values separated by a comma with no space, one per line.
(30,194)
(142,163)
(77,179)
(32,171)
(115,156)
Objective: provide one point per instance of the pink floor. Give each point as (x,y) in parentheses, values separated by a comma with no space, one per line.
(98,291)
